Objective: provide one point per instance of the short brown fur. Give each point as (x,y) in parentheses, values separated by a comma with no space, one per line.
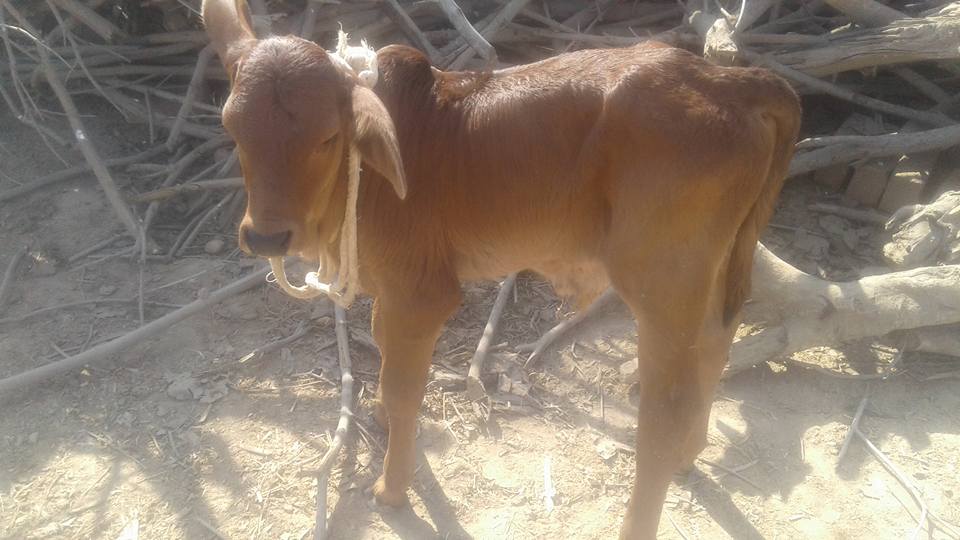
(646,168)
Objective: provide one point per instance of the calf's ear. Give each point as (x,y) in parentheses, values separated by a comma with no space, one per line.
(228,25)
(376,138)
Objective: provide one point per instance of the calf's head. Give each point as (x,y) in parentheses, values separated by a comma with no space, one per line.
(294,115)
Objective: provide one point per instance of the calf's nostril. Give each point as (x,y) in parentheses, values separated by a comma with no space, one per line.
(268,245)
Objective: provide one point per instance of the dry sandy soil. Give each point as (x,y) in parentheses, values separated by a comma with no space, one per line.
(178,438)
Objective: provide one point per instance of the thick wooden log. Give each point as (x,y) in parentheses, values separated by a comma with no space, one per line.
(797,311)
(902,41)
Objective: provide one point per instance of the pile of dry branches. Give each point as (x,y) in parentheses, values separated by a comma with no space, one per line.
(891,68)
(148,60)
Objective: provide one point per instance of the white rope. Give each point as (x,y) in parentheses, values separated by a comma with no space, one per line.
(362,62)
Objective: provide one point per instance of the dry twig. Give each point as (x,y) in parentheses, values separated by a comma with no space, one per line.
(467,30)
(872,217)
(867,12)
(196,81)
(346,412)
(189,187)
(490,31)
(106,351)
(91,19)
(855,147)
(73,172)
(90,153)
(541,344)
(854,425)
(935,119)
(413,32)
(475,389)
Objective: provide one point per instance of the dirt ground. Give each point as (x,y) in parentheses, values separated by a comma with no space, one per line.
(181,437)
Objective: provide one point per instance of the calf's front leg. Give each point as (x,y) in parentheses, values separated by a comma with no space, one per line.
(406,327)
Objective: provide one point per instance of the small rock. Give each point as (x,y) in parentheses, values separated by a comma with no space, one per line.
(33,438)
(202,293)
(605,448)
(107,290)
(214,246)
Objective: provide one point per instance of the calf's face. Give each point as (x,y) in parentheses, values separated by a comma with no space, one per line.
(295,116)
(284,114)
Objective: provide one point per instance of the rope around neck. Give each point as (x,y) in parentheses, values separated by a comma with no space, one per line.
(362,62)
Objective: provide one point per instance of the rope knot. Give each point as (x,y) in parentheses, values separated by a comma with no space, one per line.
(361,61)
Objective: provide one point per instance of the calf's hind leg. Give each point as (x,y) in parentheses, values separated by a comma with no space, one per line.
(406,327)
(682,347)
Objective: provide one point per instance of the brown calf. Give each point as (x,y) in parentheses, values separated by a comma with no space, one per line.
(646,168)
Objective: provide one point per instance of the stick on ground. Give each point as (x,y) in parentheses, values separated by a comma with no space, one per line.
(906,483)
(853,428)
(190,187)
(90,153)
(873,217)
(73,172)
(106,351)
(346,412)
(541,344)
(475,389)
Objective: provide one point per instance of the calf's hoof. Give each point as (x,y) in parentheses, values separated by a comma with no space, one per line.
(385,496)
